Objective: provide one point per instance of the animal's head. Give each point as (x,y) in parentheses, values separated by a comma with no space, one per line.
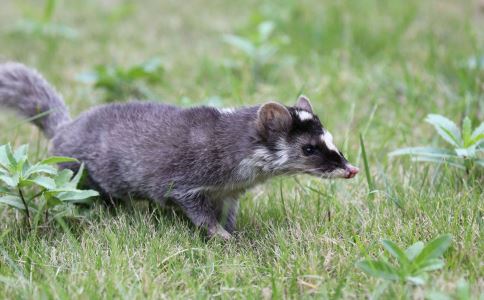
(293,140)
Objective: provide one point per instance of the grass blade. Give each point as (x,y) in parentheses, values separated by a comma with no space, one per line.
(367,168)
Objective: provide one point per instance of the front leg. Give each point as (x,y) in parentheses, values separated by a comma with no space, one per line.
(201,212)
(227,210)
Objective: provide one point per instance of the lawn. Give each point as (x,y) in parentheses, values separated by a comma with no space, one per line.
(372,68)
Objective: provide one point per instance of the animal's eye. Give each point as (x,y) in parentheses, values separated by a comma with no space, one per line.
(308,150)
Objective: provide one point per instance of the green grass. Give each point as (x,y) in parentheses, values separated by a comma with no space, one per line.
(370,67)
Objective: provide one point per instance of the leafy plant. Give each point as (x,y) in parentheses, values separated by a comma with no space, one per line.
(467,144)
(39,188)
(257,46)
(413,262)
(121,83)
(44,25)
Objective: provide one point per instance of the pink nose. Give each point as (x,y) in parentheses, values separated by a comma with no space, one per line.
(351,171)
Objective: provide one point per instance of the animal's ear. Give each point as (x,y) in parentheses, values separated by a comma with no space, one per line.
(304,104)
(273,117)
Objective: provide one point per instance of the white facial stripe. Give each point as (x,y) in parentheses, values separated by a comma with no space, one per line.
(304,115)
(327,138)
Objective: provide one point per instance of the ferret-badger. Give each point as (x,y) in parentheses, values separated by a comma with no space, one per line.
(200,158)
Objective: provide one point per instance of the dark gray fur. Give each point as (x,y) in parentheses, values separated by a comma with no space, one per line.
(201,158)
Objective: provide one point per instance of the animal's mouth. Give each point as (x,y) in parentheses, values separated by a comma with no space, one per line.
(350,171)
(347,172)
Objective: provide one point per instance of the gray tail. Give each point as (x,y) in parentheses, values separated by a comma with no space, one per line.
(26,91)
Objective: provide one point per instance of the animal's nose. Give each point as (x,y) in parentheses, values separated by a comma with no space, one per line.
(351,171)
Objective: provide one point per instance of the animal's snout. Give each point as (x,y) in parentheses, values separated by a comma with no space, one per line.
(351,171)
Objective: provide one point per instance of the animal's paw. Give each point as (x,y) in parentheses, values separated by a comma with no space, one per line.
(219,232)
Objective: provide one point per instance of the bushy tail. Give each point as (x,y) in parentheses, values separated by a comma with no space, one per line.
(26,91)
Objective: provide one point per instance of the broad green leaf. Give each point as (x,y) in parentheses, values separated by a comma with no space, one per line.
(45,182)
(63,178)
(59,190)
(379,269)
(4,161)
(10,157)
(398,253)
(150,70)
(466,131)
(25,168)
(469,152)
(433,249)
(40,168)
(20,153)
(455,164)
(477,140)
(57,160)
(77,196)
(241,43)
(16,202)
(425,151)
(478,131)
(446,129)
(13,201)
(4,190)
(479,162)
(11,181)
(75,181)
(431,265)
(414,250)
(21,156)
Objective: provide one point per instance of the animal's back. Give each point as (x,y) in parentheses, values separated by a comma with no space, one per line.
(123,144)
